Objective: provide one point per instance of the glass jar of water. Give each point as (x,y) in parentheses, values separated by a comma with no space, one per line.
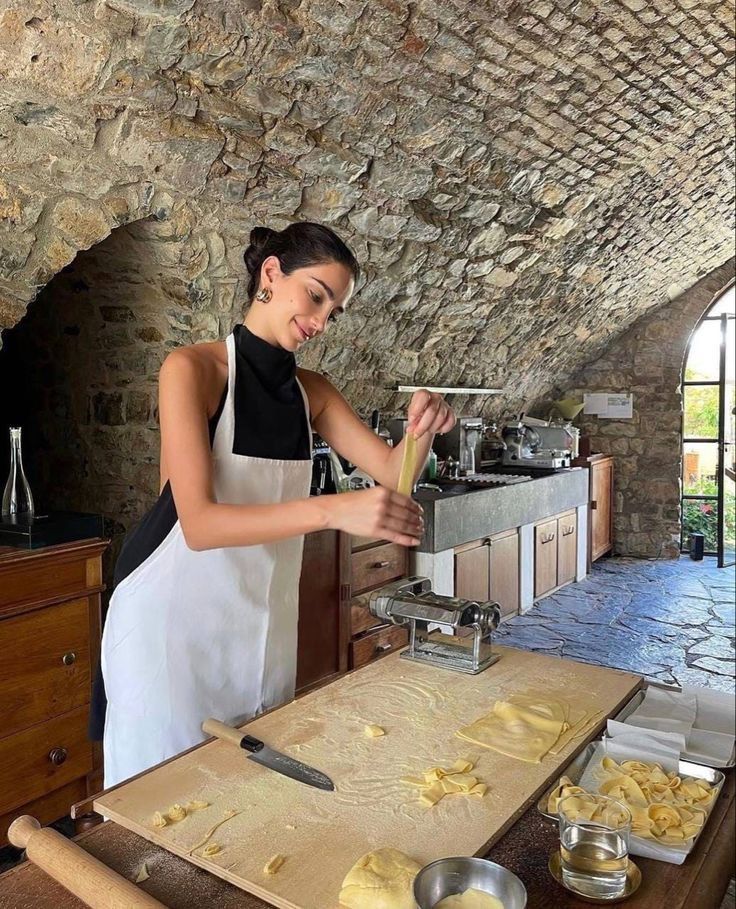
(594,845)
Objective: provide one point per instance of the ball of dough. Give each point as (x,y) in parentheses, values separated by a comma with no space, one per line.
(382,879)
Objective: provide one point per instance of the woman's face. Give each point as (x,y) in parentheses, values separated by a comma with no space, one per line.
(303,303)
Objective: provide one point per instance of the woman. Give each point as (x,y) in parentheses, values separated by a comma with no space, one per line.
(203,620)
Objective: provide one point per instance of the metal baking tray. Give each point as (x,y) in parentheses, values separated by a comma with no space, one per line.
(636,700)
(575,769)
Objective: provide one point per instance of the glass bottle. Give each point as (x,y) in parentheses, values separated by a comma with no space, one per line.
(17,498)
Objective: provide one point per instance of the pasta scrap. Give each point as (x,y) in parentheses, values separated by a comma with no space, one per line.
(437,782)
(274,864)
(177,813)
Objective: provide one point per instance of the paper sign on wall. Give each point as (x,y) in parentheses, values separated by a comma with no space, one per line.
(609,406)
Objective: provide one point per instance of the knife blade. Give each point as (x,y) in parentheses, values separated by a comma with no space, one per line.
(260,753)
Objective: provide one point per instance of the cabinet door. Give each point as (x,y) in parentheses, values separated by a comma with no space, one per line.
(601,508)
(472,571)
(545,557)
(505,572)
(567,548)
(321,651)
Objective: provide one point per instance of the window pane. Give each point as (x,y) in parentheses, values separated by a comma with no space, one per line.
(725,304)
(704,353)
(699,466)
(701,411)
(729,508)
(700,517)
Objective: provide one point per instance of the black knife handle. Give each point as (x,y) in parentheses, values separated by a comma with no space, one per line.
(249,743)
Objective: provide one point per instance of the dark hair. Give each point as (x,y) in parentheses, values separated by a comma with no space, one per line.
(296,246)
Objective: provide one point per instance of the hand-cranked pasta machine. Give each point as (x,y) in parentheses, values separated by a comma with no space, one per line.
(412,602)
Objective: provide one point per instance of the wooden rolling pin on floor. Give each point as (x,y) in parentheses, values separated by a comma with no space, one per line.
(87,878)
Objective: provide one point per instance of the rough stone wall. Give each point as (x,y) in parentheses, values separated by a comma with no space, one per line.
(648,361)
(521,181)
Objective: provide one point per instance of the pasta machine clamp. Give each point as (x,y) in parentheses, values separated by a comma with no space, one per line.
(411,602)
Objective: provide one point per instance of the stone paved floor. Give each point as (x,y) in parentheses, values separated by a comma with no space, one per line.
(671,621)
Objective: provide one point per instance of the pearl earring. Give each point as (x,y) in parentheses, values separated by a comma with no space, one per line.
(263,295)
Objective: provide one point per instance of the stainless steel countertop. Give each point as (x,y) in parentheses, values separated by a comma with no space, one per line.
(451,520)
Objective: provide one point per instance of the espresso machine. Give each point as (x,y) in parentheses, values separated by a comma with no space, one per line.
(463,444)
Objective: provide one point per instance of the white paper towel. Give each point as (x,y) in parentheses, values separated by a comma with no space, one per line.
(705,719)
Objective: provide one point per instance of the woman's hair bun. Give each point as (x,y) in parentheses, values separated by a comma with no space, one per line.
(260,237)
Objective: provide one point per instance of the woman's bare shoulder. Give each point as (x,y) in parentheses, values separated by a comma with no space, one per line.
(319,389)
(206,358)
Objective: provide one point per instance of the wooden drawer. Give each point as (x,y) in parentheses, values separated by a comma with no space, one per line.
(361,618)
(27,770)
(361,542)
(42,576)
(379,565)
(44,664)
(377,643)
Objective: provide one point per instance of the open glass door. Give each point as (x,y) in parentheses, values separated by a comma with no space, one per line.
(708,452)
(726,447)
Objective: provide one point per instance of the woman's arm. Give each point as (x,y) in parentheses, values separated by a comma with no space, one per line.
(338,424)
(207,524)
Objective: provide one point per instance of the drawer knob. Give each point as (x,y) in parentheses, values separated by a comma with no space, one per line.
(380,564)
(57,756)
(69,658)
(382,648)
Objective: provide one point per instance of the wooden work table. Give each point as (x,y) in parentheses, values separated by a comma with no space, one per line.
(699,883)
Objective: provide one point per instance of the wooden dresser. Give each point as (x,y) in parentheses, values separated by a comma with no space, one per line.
(49,650)
(367,565)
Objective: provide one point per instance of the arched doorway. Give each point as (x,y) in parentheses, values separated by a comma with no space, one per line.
(708,452)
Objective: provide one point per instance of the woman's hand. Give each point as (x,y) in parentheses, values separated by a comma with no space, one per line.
(377,512)
(429,413)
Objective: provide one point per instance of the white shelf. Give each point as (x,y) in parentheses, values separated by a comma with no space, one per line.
(452,391)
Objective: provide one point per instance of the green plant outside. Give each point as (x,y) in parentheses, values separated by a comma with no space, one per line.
(702,516)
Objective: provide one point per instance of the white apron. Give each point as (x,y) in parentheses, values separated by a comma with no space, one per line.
(214,633)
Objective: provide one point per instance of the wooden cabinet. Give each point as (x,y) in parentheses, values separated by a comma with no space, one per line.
(555,552)
(50,645)
(372,564)
(323,631)
(600,505)
(336,629)
(545,557)
(473,571)
(567,548)
(488,569)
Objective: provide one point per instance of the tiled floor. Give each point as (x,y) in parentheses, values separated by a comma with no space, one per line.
(671,621)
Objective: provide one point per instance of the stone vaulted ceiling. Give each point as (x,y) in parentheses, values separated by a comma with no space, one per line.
(521,181)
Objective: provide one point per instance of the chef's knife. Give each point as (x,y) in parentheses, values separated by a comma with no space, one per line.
(262,754)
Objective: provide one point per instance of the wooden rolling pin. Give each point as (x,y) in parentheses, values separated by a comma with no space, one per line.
(87,878)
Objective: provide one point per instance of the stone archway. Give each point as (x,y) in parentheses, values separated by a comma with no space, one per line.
(647,361)
(47,235)
(83,362)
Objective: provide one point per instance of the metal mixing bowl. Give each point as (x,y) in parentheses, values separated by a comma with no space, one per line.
(448,876)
